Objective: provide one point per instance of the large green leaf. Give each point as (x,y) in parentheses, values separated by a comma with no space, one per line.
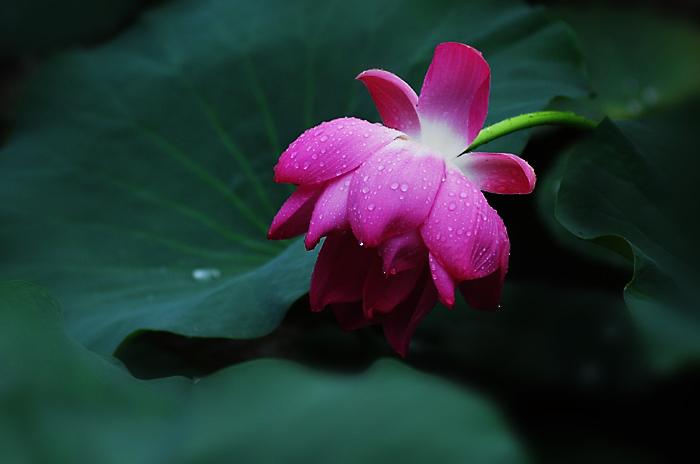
(631,187)
(60,403)
(148,161)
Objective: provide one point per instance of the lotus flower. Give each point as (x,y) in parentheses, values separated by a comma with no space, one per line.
(405,220)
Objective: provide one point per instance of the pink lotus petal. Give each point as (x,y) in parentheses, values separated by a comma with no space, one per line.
(331,212)
(384,291)
(443,281)
(392,192)
(350,315)
(463,232)
(293,217)
(331,150)
(339,274)
(484,294)
(454,99)
(400,323)
(404,251)
(497,172)
(395,100)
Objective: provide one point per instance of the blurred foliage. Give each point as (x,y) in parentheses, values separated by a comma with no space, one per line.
(64,404)
(37,26)
(640,59)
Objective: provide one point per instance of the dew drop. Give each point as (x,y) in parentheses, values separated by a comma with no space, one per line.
(404,187)
(394,186)
(324,138)
(205,275)
(365,189)
(370,207)
(463,195)
(452,206)
(306,164)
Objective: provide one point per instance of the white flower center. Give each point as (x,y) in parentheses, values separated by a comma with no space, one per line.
(440,136)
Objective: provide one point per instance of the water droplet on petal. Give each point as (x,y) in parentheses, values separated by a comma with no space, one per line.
(452,206)
(370,207)
(404,187)
(324,138)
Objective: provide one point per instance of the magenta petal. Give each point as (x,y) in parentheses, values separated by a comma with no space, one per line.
(331,212)
(400,323)
(484,294)
(395,100)
(463,232)
(497,172)
(404,251)
(350,315)
(455,94)
(331,150)
(444,282)
(383,292)
(293,217)
(339,273)
(392,192)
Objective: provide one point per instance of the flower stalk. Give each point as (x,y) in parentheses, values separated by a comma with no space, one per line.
(529,120)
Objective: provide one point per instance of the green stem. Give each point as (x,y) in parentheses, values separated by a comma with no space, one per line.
(526,121)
